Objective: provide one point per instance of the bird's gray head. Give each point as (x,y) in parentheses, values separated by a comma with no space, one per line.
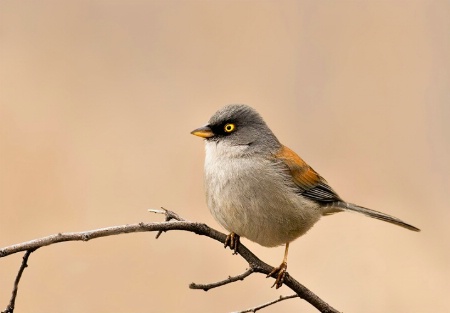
(239,125)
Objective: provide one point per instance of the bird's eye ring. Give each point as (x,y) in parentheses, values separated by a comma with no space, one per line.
(229,127)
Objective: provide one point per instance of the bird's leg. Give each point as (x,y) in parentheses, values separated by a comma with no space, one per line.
(232,241)
(280,271)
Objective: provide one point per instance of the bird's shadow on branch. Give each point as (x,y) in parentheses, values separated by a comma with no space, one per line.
(172,222)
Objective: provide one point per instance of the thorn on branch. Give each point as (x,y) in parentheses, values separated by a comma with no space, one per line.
(230,279)
(12,302)
(170,215)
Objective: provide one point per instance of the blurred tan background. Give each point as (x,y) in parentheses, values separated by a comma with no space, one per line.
(97,99)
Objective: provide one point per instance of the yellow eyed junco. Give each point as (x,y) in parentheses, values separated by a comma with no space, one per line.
(261,190)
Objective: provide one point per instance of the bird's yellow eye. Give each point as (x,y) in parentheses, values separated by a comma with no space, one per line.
(228,128)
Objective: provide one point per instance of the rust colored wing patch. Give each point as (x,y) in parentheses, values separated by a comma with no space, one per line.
(310,184)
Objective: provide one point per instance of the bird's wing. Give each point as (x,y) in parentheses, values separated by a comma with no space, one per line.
(310,184)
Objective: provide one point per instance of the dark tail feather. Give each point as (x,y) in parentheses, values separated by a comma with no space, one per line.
(345,206)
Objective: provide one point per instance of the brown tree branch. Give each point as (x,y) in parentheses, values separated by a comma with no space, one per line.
(230,279)
(265,305)
(12,302)
(255,263)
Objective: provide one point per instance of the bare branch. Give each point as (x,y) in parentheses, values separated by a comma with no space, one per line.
(254,262)
(262,306)
(230,279)
(12,302)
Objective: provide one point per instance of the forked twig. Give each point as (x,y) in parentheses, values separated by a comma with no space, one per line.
(230,279)
(170,215)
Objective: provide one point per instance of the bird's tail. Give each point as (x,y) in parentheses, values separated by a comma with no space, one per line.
(345,206)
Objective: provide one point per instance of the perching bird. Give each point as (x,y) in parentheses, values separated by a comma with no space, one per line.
(259,189)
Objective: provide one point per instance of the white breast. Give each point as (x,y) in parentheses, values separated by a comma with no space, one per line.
(255,198)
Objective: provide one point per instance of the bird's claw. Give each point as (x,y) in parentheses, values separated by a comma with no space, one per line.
(280,272)
(232,241)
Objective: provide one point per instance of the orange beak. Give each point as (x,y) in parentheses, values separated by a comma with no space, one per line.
(204,132)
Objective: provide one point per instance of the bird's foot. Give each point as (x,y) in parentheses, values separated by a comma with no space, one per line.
(280,272)
(232,241)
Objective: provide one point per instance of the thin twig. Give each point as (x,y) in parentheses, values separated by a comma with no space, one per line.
(201,229)
(12,302)
(262,306)
(230,279)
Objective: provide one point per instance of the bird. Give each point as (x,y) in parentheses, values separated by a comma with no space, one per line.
(259,189)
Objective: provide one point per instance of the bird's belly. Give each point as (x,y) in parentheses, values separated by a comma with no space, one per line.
(255,201)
